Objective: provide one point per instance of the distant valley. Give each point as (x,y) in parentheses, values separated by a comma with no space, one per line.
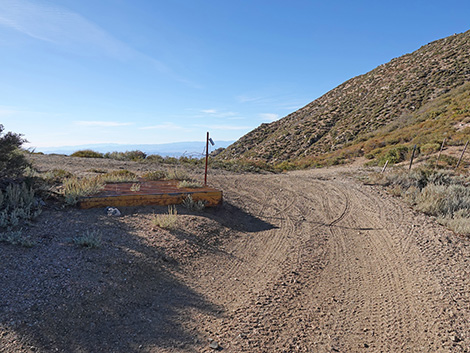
(176,149)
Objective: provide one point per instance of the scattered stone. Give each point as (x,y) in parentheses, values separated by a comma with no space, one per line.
(113,211)
(213,344)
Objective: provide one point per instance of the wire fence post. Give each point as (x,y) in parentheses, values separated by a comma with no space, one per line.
(440,151)
(207,157)
(461,156)
(412,157)
(385,166)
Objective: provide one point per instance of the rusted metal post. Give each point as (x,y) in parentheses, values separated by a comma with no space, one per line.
(385,166)
(207,158)
(461,156)
(440,151)
(412,157)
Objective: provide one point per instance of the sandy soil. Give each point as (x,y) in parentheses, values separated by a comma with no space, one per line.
(311,261)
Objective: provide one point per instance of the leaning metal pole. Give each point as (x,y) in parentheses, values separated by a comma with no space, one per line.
(207,157)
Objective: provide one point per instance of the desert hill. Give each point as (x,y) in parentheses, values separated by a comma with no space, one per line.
(361,108)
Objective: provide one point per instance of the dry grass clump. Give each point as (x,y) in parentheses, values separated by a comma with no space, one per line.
(459,222)
(190,184)
(440,193)
(192,205)
(74,188)
(167,220)
(118,176)
(155,175)
(90,239)
(135,187)
(176,174)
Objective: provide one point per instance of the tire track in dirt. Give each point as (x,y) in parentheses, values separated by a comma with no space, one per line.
(367,271)
(342,272)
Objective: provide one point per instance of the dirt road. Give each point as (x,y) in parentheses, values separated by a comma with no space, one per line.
(345,268)
(310,261)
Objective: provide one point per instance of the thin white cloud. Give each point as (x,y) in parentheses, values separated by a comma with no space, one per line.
(100,123)
(250,99)
(164,126)
(73,32)
(229,127)
(269,116)
(8,112)
(209,111)
(218,113)
(59,26)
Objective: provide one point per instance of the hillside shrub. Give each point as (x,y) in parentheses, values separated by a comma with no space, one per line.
(440,193)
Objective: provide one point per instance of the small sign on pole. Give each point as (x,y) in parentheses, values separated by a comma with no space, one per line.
(208,139)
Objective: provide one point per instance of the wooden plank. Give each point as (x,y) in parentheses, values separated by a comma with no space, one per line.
(212,198)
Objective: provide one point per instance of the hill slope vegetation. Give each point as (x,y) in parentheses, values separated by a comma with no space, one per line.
(362,107)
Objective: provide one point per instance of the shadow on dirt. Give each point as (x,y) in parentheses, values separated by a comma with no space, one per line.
(121,297)
(231,216)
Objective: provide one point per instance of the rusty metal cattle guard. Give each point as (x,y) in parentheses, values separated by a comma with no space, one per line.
(149,193)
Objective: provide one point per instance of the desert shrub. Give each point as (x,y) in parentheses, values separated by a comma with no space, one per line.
(87,154)
(192,205)
(191,184)
(90,239)
(12,160)
(155,175)
(154,158)
(126,156)
(394,155)
(75,188)
(459,222)
(418,178)
(17,205)
(430,148)
(118,176)
(443,200)
(16,238)
(176,174)
(55,176)
(167,220)
(447,161)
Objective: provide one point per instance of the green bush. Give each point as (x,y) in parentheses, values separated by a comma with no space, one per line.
(87,154)
(12,160)
(430,148)
(126,156)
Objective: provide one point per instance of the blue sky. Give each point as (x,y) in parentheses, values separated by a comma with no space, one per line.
(150,71)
